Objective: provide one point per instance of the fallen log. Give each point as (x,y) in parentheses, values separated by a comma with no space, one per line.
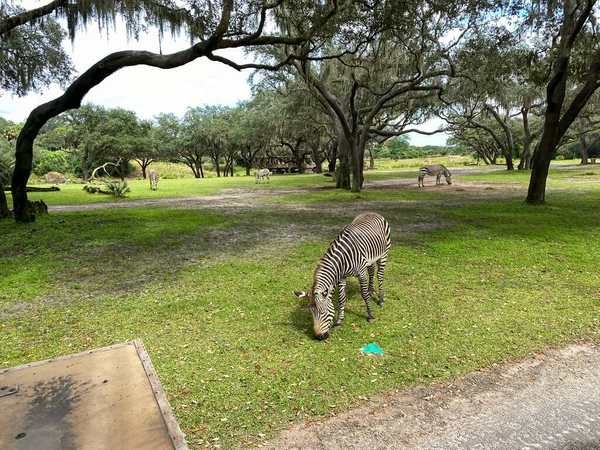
(37,189)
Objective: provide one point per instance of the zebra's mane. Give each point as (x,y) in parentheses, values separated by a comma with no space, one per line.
(326,256)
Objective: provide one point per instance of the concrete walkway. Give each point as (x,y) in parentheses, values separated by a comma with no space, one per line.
(551,401)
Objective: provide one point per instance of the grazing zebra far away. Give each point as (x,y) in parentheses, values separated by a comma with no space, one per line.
(261,174)
(355,249)
(153,176)
(438,171)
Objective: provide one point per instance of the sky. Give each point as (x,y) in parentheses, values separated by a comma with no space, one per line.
(149,91)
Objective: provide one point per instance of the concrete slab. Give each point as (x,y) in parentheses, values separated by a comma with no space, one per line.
(107,398)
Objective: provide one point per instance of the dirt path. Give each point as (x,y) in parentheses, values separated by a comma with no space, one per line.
(249,197)
(234,197)
(551,401)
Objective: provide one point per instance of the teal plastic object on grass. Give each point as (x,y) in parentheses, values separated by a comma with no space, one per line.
(372,349)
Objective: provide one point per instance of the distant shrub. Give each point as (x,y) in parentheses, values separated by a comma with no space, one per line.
(54,161)
(117,188)
(450,161)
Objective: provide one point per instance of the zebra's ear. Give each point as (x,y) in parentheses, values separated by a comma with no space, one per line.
(301,294)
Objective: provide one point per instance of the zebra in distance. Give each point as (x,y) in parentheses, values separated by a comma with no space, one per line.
(153,176)
(261,174)
(356,249)
(438,171)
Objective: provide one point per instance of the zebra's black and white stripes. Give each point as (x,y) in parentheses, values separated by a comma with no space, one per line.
(353,252)
(262,174)
(438,171)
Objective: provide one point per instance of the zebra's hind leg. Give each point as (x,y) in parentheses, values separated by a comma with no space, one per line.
(366,295)
(342,303)
(380,269)
(371,270)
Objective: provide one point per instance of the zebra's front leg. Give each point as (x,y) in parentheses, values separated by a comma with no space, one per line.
(342,303)
(366,295)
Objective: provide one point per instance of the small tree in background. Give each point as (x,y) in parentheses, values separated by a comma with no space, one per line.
(395,147)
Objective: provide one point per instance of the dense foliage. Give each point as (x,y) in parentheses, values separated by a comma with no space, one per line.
(217,139)
(508,78)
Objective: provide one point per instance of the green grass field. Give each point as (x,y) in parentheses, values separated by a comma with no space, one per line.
(474,277)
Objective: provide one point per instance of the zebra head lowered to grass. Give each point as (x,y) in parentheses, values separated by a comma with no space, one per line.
(438,171)
(261,174)
(355,250)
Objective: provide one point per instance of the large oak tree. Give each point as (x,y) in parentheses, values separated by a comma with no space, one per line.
(212,25)
(575,64)
(378,75)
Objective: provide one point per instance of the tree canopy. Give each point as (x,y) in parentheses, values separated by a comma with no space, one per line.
(210,26)
(509,77)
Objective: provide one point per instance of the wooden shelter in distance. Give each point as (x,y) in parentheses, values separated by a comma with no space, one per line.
(107,398)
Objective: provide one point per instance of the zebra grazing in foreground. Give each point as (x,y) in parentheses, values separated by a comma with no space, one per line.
(261,174)
(153,176)
(356,247)
(438,170)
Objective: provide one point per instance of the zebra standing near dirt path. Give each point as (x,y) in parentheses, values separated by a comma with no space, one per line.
(356,247)
(261,174)
(153,176)
(437,170)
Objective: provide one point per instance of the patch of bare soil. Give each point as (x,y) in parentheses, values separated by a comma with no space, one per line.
(410,185)
(439,416)
(250,197)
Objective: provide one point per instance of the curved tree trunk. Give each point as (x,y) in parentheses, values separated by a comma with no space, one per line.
(27,16)
(510,145)
(555,126)
(582,144)
(74,95)
(72,98)
(85,168)
(144,163)
(356,168)
(333,155)
(343,175)
(217,166)
(536,195)
(5,212)
(525,163)
(509,158)
(248,157)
